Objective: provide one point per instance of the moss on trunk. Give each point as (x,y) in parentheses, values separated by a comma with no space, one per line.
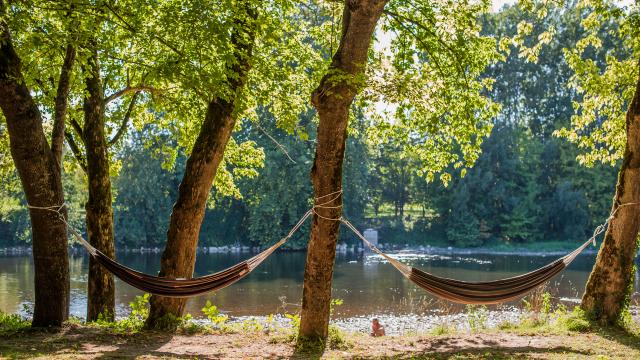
(607,292)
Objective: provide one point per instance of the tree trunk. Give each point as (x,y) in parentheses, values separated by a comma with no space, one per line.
(179,256)
(332,99)
(61,104)
(608,289)
(101,288)
(41,181)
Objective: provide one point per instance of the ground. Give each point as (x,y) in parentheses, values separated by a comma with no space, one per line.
(82,342)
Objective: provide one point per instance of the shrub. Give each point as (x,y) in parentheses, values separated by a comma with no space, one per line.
(576,320)
(337,339)
(12,323)
(133,323)
(217,319)
(477,317)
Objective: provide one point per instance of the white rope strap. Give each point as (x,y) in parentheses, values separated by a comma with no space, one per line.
(58,210)
(404,269)
(325,204)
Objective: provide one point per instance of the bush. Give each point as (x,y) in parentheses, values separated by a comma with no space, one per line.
(131,324)
(217,319)
(477,317)
(12,323)
(576,320)
(337,339)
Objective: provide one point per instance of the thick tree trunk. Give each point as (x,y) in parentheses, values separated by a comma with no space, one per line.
(101,289)
(607,291)
(40,177)
(179,256)
(332,99)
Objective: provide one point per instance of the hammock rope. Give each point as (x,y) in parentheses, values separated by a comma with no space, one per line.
(171,287)
(464,292)
(486,292)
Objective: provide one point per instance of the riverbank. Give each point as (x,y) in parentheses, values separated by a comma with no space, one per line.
(90,342)
(550,248)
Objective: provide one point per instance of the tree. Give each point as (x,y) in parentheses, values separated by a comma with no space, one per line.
(601,127)
(224,81)
(430,71)
(37,162)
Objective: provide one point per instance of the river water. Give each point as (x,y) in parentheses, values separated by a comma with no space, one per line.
(367,284)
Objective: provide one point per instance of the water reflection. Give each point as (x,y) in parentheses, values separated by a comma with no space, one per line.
(365,281)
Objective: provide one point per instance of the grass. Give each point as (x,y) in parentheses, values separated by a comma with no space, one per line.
(544,331)
(11,324)
(526,339)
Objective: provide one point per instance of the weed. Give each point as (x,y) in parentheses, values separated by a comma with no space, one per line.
(442,329)
(477,317)
(575,320)
(217,319)
(337,340)
(131,324)
(12,323)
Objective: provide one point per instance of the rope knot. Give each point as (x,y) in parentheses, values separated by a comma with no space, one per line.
(336,195)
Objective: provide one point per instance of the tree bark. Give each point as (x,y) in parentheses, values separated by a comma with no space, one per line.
(179,256)
(40,177)
(332,99)
(101,288)
(608,288)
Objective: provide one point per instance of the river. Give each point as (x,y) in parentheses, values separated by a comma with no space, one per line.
(366,283)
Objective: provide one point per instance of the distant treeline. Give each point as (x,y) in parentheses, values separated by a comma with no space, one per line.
(527,185)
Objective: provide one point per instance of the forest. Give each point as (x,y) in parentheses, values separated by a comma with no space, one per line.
(526,187)
(283,124)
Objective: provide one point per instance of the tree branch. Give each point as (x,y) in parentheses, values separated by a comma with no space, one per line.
(133,30)
(127,90)
(61,104)
(77,128)
(76,151)
(280,146)
(125,120)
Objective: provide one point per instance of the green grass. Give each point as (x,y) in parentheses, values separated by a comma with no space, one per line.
(12,323)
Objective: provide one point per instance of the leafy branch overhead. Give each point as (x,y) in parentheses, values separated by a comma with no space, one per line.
(427,90)
(603,78)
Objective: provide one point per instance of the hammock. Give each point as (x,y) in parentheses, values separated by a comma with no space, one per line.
(463,292)
(485,292)
(182,288)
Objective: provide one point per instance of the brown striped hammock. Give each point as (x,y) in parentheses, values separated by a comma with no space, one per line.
(483,292)
(182,288)
(463,292)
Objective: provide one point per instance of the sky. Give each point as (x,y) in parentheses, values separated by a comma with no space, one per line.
(497,4)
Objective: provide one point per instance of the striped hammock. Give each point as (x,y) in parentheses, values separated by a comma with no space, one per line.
(463,292)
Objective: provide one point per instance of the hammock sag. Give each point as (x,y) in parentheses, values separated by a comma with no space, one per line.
(463,292)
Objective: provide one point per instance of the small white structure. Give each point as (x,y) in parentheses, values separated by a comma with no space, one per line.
(372,236)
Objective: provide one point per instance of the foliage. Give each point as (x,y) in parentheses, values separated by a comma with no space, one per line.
(139,310)
(477,317)
(606,83)
(427,91)
(213,314)
(442,329)
(576,320)
(333,304)
(12,323)
(525,187)
(337,339)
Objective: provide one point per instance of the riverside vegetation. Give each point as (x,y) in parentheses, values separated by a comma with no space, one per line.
(545,330)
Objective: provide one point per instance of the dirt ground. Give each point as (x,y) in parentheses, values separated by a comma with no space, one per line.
(78,342)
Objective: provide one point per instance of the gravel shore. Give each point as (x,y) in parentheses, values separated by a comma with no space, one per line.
(413,324)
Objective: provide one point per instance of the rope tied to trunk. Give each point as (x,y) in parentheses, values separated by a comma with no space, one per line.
(326,204)
(487,292)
